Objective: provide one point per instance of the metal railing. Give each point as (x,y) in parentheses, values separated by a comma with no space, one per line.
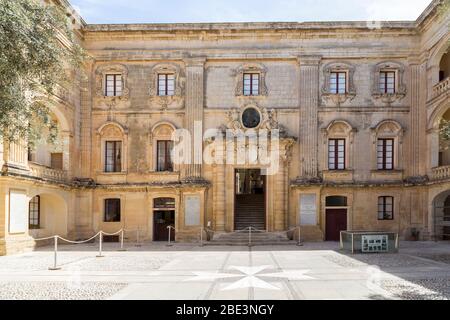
(168,240)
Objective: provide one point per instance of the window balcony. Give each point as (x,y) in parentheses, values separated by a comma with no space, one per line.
(441,172)
(47,173)
(442,88)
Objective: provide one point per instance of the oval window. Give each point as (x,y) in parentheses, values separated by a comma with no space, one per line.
(251,118)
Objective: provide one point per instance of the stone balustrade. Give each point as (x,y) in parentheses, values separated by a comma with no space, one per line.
(441,87)
(441,172)
(44,172)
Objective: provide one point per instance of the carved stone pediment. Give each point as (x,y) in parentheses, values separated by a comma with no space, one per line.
(400,87)
(166,101)
(350,92)
(100,82)
(238,73)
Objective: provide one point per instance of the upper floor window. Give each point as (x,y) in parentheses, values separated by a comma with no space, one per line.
(166,84)
(385,208)
(164,155)
(338,82)
(112,210)
(113,156)
(251,84)
(34,213)
(387,82)
(336,154)
(113,85)
(385,154)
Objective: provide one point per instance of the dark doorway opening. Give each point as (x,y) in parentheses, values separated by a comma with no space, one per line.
(250,200)
(163,217)
(335,217)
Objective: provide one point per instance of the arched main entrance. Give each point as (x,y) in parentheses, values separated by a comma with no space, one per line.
(335,217)
(441,216)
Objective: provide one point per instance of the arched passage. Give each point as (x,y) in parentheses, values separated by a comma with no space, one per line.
(441,216)
(47,215)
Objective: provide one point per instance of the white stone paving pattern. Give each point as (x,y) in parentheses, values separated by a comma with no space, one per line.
(187,271)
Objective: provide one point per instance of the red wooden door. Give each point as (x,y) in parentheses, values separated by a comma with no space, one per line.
(336,221)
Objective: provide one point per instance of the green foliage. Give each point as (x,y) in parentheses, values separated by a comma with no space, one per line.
(37,47)
(444,134)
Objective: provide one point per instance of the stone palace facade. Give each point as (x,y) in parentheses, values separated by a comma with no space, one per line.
(356,106)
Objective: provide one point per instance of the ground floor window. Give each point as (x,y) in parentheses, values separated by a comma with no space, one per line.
(385,208)
(112,210)
(34,213)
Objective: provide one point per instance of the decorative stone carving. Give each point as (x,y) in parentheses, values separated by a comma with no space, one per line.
(165,101)
(350,92)
(400,87)
(387,129)
(250,68)
(100,74)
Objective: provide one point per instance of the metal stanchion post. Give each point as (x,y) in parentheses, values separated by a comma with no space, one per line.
(121,241)
(250,236)
(168,243)
(100,245)
(299,242)
(55,260)
(201,236)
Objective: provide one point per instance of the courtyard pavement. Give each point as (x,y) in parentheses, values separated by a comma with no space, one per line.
(187,271)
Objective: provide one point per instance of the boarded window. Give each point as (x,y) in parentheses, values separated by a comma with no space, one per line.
(56,160)
(112,210)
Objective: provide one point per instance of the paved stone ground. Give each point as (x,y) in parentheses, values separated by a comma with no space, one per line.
(186,271)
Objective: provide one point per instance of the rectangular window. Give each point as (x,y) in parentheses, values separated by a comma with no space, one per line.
(338,82)
(56,160)
(164,157)
(385,208)
(385,154)
(336,154)
(166,84)
(251,84)
(387,81)
(113,156)
(112,210)
(113,85)
(34,213)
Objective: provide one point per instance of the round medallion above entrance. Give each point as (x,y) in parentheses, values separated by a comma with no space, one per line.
(251,118)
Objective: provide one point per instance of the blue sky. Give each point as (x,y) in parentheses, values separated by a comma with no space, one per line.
(160,11)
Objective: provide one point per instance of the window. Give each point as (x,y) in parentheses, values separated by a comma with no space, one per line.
(113,87)
(113,156)
(112,210)
(385,154)
(385,208)
(251,118)
(166,84)
(34,213)
(387,82)
(164,203)
(251,84)
(338,82)
(336,154)
(336,201)
(56,160)
(164,150)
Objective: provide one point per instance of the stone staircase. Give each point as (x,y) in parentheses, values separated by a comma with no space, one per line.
(257,239)
(249,211)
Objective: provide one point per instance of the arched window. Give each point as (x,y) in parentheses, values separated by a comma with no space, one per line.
(387,142)
(338,145)
(112,138)
(444,66)
(34,213)
(161,139)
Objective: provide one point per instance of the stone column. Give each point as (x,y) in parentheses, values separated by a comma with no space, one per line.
(194,115)
(417,141)
(219,197)
(86,87)
(309,103)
